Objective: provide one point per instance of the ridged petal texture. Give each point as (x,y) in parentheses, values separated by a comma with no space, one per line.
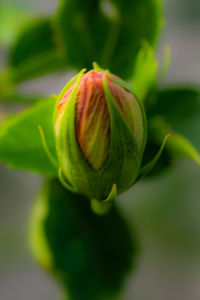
(93,118)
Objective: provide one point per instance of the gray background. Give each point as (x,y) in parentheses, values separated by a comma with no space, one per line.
(164,211)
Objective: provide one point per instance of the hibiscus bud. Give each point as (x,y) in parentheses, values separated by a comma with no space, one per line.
(100,134)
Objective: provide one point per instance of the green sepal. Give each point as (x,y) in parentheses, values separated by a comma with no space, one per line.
(96,67)
(68,150)
(123,144)
(66,183)
(64,90)
(102,207)
(149,166)
(126,86)
(46,148)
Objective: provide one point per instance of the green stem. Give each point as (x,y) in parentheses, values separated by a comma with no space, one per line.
(65,296)
(99,207)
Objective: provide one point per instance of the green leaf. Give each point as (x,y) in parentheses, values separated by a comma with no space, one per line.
(109,32)
(144,74)
(89,254)
(177,111)
(20,141)
(12,18)
(36,51)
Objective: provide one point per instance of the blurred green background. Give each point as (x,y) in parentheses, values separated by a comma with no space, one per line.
(163,211)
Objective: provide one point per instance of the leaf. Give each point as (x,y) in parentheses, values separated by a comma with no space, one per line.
(144,74)
(20,141)
(177,111)
(12,18)
(109,32)
(89,254)
(36,51)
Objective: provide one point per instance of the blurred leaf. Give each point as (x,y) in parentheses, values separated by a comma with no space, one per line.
(109,32)
(39,35)
(36,51)
(20,141)
(144,75)
(12,18)
(17,97)
(177,111)
(165,63)
(89,254)
(10,93)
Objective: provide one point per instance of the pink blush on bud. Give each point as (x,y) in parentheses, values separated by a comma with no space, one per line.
(65,98)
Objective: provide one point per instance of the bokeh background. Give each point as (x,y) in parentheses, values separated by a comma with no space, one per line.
(163,211)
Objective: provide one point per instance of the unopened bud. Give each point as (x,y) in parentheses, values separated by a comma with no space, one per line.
(100,134)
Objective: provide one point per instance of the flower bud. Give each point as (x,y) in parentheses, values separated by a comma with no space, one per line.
(100,134)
